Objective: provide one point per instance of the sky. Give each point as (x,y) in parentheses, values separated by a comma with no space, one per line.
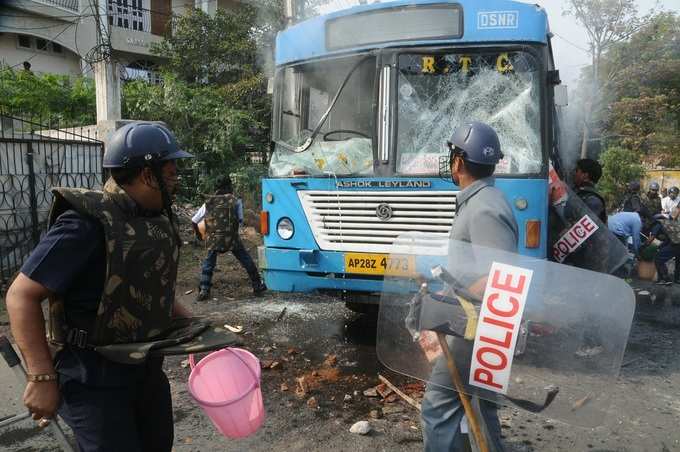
(570,42)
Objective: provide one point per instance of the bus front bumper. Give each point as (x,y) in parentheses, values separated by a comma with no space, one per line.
(293,270)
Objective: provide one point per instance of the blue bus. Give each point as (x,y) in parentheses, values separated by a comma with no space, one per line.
(364,100)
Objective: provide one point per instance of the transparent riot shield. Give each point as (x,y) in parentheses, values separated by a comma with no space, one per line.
(531,333)
(577,236)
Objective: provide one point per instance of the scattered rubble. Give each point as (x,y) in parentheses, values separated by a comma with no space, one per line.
(360,428)
(376,414)
(312,403)
(234,329)
(371,392)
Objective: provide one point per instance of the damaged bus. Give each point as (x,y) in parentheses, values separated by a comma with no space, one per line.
(364,100)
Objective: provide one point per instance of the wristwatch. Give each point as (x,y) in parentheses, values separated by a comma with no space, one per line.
(42,377)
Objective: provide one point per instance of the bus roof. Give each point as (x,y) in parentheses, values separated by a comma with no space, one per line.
(491,21)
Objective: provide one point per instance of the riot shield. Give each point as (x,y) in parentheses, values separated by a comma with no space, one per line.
(577,236)
(527,332)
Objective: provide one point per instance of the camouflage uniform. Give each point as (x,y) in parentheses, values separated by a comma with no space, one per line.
(653,203)
(134,316)
(221,224)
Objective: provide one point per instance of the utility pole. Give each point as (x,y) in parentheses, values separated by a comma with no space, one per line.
(106,70)
(289,12)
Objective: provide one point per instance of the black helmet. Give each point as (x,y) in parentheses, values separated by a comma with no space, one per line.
(634,186)
(478,141)
(654,186)
(141,144)
(674,191)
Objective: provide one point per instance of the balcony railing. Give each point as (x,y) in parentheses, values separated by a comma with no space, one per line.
(71,5)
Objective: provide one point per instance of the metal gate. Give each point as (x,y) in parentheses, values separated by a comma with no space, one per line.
(33,159)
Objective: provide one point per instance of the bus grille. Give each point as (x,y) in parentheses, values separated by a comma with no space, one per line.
(349,221)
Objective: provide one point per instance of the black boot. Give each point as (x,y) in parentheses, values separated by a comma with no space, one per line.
(259,287)
(203,295)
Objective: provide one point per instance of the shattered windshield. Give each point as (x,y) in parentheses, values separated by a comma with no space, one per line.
(343,145)
(437,93)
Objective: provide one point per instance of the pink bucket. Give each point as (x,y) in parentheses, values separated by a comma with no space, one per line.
(226,384)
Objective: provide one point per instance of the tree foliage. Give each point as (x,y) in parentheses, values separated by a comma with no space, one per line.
(606,22)
(619,166)
(214,91)
(69,101)
(644,97)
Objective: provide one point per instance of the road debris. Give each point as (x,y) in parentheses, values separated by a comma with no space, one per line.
(396,390)
(360,428)
(348,398)
(312,403)
(284,387)
(234,329)
(189,292)
(579,403)
(280,316)
(371,392)
(392,409)
(330,361)
(184,364)
(384,390)
(376,414)
(275,365)
(302,387)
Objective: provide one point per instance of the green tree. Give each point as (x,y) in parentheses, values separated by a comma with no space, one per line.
(606,22)
(214,90)
(644,96)
(57,98)
(619,166)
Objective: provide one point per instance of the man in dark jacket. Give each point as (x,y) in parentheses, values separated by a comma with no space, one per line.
(586,175)
(108,265)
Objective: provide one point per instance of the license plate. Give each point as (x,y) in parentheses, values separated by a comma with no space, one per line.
(380,264)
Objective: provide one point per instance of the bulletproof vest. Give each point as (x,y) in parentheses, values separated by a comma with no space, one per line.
(221,224)
(672,230)
(653,204)
(141,259)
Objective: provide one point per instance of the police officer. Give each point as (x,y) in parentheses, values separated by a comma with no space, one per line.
(668,232)
(223,214)
(483,217)
(652,200)
(587,173)
(108,265)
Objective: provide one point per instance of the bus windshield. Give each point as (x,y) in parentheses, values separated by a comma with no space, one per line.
(437,93)
(343,145)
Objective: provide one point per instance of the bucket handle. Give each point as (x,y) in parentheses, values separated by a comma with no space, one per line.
(192,364)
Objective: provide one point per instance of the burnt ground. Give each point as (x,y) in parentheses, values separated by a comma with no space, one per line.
(316,337)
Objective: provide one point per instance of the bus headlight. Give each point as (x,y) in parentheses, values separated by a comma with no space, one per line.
(285,228)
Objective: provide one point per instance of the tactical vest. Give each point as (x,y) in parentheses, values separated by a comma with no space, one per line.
(586,192)
(221,224)
(672,230)
(142,256)
(652,204)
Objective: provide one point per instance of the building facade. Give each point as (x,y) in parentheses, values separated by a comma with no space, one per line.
(57,36)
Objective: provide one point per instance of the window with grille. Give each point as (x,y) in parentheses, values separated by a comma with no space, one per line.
(128,14)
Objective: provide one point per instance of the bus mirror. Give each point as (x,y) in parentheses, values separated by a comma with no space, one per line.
(561,97)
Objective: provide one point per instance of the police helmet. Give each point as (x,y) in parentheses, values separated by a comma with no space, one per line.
(654,186)
(634,186)
(142,144)
(477,142)
(673,190)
